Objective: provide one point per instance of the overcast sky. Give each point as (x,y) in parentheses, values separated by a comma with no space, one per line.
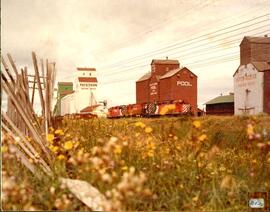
(121,37)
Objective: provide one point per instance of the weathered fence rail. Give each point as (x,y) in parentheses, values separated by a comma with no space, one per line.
(20,122)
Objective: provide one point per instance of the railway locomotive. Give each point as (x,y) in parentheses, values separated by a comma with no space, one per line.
(153,109)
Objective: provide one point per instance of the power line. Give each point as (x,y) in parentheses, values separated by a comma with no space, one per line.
(187,45)
(251,8)
(210,51)
(187,42)
(218,46)
(140,65)
(202,63)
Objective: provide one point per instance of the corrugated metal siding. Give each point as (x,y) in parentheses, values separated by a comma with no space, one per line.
(252,49)
(153,90)
(184,87)
(142,91)
(161,69)
(165,86)
(260,52)
(245,53)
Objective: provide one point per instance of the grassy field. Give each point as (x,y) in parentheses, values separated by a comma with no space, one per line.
(207,163)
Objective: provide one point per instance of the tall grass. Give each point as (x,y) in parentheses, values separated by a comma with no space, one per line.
(181,163)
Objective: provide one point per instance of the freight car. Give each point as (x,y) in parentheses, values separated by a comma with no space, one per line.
(153,109)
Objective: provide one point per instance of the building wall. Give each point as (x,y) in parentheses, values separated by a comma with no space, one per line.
(173,88)
(245,53)
(86,73)
(248,78)
(165,88)
(158,70)
(153,90)
(61,92)
(83,98)
(161,69)
(142,91)
(220,109)
(184,86)
(67,104)
(252,52)
(181,86)
(266,92)
(260,52)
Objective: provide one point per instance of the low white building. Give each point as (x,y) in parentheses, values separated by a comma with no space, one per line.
(68,104)
(252,88)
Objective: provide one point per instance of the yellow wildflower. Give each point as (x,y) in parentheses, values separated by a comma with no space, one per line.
(51,129)
(195,199)
(59,132)
(150,153)
(50,138)
(124,168)
(196,124)
(61,157)
(68,145)
(222,168)
(4,148)
(118,149)
(55,148)
(148,130)
(254,161)
(140,124)
(151,145)
(250,130)
(202,137)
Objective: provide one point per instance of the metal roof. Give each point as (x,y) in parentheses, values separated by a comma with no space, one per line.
(66,92)
(262,66)
(65,83)
(175,71)
(221,99)
(159,61)
(89,109)
(256,39)
(171,73)
(86,69)
(144,77)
